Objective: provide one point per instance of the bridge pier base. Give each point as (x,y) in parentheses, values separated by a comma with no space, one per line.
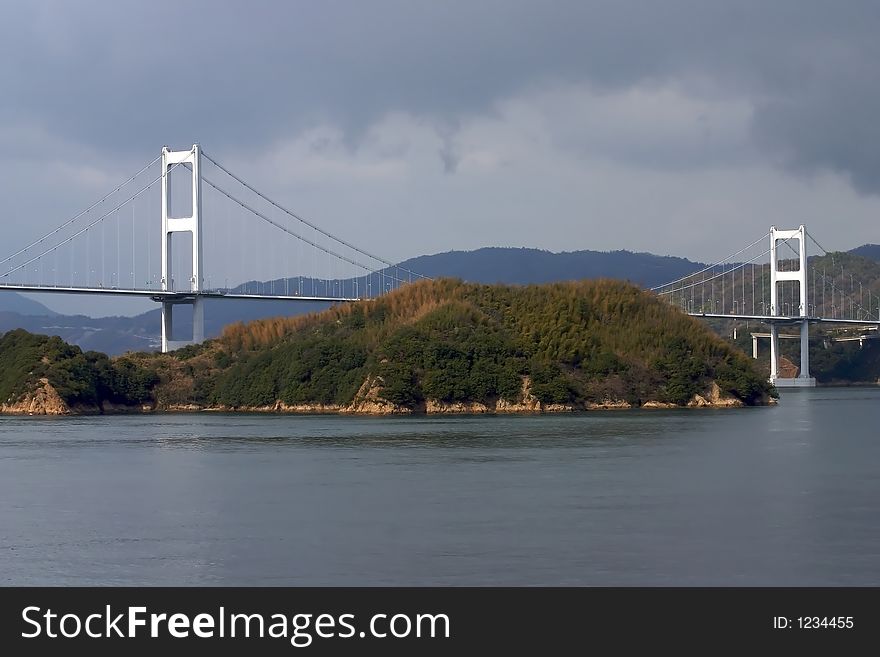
(198,324)
(796,382)
(803,379)
(804,374)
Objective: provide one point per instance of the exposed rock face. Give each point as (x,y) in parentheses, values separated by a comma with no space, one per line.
(435,406)
(528,403)
(277,407)
(557,408)
(714,398)
(43,400)
(368,402)
(182,407)
(787,369)
(608,404)
(281,407)
(658,404)
(699,401)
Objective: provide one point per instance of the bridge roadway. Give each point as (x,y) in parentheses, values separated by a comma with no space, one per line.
(174,295)
(167,295)
(789,319)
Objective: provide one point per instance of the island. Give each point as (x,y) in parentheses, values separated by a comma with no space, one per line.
(436,346)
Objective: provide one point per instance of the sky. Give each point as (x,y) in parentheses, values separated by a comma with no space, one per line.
(681,127)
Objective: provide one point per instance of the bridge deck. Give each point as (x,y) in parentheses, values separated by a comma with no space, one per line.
(166,295)
(789,319)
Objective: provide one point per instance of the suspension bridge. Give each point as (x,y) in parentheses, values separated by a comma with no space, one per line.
(772,281)
(216,227)
(234,232)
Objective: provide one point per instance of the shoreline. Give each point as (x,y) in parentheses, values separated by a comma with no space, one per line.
(458,410)
(368,401)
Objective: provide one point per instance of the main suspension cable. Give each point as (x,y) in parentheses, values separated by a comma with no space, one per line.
(73,219)
(308,223)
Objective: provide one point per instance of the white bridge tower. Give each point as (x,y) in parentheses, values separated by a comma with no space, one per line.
(191,161)
(803,380)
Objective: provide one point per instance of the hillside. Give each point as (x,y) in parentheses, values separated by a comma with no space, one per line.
(12,302)
(435,346)
(117,335)
(871,251)
(450,346)
(45,375)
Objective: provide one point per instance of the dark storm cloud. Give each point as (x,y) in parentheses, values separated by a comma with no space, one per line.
(237,75)
(830,119)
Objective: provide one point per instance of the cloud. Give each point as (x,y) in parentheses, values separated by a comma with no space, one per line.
(648,125)
(569,167)
(128,75)
(568,124)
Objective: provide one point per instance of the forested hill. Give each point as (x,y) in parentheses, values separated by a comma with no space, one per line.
(444,342)
(435,345)
(116,335)
(41,374)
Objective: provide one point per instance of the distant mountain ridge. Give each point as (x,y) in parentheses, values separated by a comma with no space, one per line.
(522,266)
(871,251)
(13,302)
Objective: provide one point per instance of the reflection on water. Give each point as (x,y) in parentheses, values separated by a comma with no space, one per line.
(781,495)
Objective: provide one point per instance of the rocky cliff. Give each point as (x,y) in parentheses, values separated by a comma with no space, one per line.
(42,400)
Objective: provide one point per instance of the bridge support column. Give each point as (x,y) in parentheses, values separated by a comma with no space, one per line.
(774,353)
(804,377)
(190,160)
(198,327)
(198,320)
(167,325)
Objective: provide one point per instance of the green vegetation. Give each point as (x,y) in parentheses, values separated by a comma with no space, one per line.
(445,340)
(85,379)
(570,343)
(845,362)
